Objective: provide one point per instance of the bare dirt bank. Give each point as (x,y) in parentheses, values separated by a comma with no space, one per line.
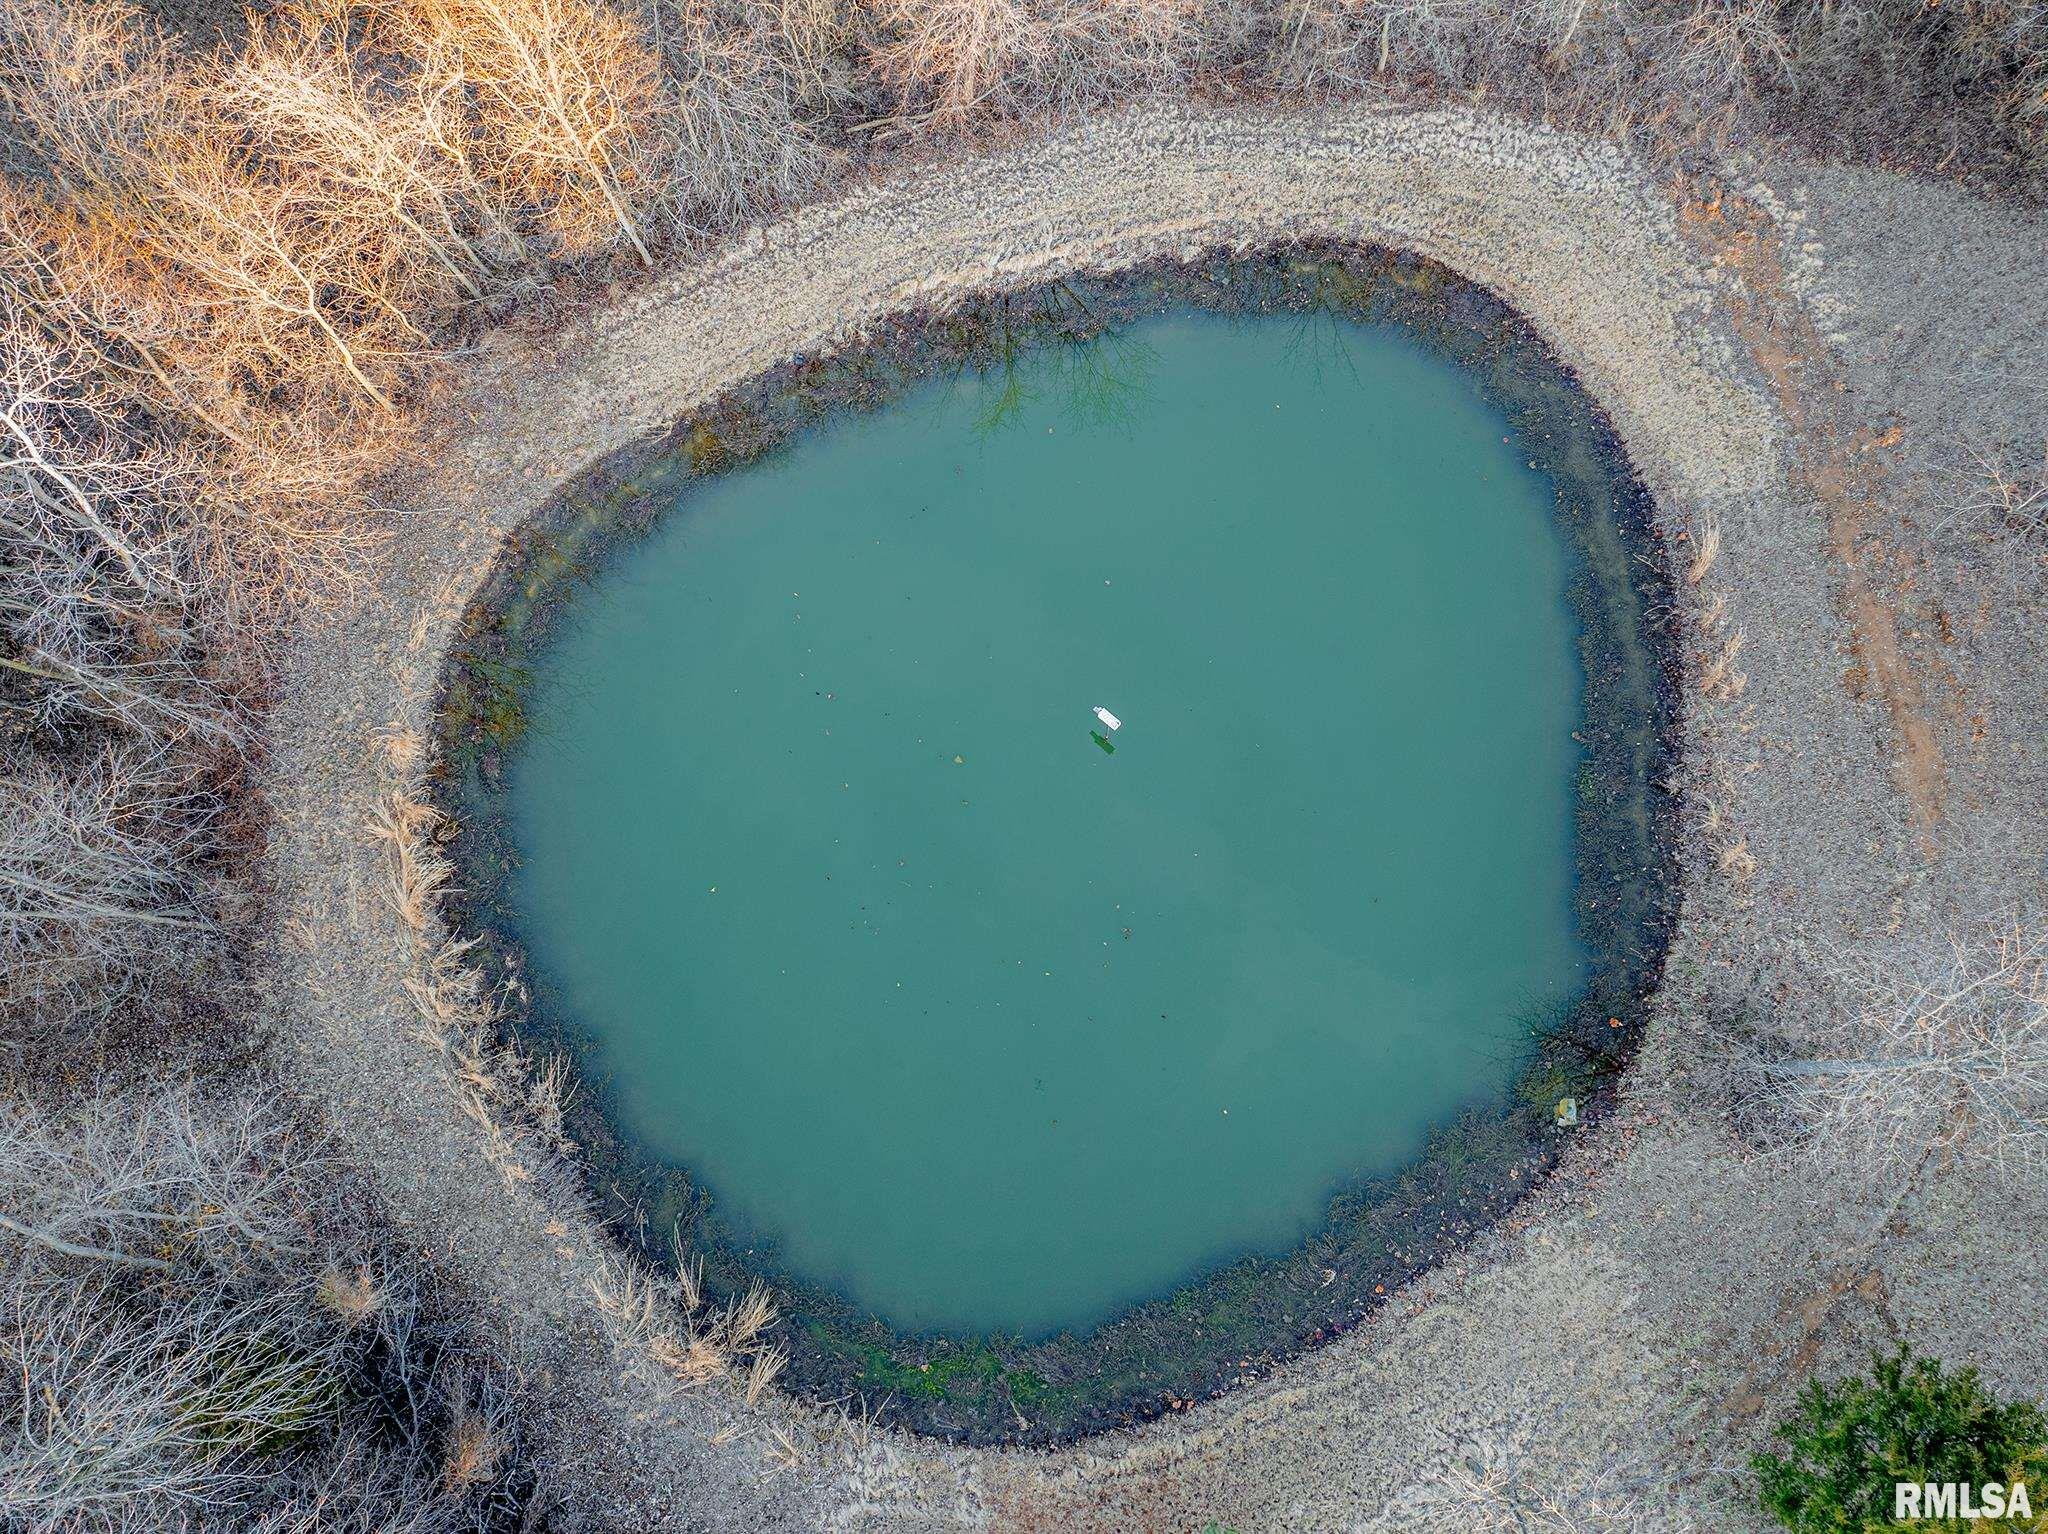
(1651,1307)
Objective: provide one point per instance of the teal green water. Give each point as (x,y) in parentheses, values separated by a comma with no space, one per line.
(981,1024)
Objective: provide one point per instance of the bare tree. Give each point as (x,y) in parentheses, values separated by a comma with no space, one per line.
(301,90)
(101,884)
(210,268)
(1945,1053)
(83,286)
(955,57)
(97,575)
(959,53)
(293,288)
(138,1378)
(134,1405)
(811,39)
(160,1179)
(566,94)
(202,1330)
(1723,49)
(739,142)
(81,484)
(92,85)
(1994,490)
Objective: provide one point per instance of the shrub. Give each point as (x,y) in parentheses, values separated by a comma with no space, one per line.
(204,1328)
(1945,1053)
(101,887)
(1911,1420)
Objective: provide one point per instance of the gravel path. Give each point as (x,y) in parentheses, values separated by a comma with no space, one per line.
(1644,1316)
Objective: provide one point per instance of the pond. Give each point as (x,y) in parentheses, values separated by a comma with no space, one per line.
(984,1015)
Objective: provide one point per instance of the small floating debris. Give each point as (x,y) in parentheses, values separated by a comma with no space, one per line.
(1108,718)
(1567,1112)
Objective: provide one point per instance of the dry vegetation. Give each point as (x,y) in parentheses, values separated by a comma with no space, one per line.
(1945,1058)
(225,274)
(1490,1486)
(202,1328)
(671,1329)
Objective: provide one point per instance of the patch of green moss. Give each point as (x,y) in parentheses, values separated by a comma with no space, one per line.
(262,1397)
(970,1370)
(549,566)
(705,449)
(1030,1391)
(732,435)
(485,700)
(1545,1083)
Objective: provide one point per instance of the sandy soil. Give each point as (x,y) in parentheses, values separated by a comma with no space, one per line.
(1793,355)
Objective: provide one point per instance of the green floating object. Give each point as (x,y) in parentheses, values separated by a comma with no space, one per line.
(1102,740)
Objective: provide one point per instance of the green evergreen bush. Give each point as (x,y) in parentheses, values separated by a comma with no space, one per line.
(1910,1420)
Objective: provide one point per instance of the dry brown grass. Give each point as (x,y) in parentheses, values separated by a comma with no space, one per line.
(1719,678)
(518,1106)
(1734,858)
(762,1373)
(1721,681)
(783,1452)
(748,1318)
(418,871)
(688,1342)
(1706,549)
(473,1456)
(355,1296)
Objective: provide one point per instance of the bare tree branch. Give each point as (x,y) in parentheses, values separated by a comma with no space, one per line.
(1947,1051)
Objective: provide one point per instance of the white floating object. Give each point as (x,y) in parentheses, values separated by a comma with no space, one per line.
(1108,718)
